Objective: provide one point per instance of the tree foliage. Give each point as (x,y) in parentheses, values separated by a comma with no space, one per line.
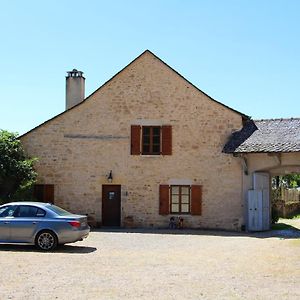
(16,170)
(286,181)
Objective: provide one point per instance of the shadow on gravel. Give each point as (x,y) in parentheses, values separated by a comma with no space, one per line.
(60,249)
(289,233)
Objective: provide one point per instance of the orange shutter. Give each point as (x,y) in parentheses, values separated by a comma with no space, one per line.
(135,140)
(166,131)
(164,206)
(196,200)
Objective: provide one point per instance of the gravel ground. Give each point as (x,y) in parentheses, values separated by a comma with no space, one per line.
(156,265)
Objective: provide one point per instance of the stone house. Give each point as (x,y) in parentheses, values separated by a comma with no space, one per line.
(148,145)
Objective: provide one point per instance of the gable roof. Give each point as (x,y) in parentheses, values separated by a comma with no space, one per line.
(266,136)
(245,117)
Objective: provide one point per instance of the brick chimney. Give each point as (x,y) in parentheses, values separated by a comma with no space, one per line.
(74,88)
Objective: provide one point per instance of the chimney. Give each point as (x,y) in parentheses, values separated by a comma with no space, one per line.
(74,88)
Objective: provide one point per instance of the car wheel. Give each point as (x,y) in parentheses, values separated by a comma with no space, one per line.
(46,240)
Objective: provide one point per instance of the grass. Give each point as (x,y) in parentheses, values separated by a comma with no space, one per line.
(281,226)
(296,217)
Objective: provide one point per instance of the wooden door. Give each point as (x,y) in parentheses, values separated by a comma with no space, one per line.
(261,181)
(111,205)
(255,220)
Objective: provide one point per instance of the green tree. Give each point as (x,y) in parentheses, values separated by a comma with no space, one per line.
(16,170)
(286,181)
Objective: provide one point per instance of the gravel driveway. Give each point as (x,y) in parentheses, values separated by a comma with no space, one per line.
(156,265)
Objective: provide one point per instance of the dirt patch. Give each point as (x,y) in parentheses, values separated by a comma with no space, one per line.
(155,265)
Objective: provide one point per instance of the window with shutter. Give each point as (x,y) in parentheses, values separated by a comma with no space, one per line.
(151,140)
(180,199)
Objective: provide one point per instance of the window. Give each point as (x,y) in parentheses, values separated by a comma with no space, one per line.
(180,199)
(151,140)
(7,211)
(25,211)
(59,211)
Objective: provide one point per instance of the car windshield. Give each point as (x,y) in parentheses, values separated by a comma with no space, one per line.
(58,210)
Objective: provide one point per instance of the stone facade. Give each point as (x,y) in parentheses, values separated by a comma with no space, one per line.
(78,148)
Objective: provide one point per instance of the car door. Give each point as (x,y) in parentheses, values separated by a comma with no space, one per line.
(24,224)
(6,215)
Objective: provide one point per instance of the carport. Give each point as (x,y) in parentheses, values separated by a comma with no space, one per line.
(265,148)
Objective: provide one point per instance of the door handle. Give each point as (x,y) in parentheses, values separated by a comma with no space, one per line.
(6,222)
(34,222)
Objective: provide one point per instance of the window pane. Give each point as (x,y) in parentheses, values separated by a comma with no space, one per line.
(146,130)
(146,148)
(7,211)
(175,208)
(175,198)
(156,140)
(146,139)
(175,189)
(2,209)
(185,208)
(185,199)
(26,211)
(185,190)
(59,211)
(156,148)
(156,130)
(40,213)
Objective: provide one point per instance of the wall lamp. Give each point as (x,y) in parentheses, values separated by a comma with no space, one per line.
(110,177)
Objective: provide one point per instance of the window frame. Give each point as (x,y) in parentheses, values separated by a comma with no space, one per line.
(180,199)
(151,140)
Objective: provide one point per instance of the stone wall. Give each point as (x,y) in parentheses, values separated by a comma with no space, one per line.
(77,149)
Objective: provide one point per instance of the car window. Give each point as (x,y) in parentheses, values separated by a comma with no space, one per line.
(26,211)
(59,211)
(7,211)
(40,213)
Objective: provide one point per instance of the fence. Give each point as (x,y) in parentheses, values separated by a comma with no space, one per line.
(286,202)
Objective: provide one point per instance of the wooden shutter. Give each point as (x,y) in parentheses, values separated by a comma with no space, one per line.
(44,192)
(135,140)
(49,193)
(38,192)
(166,148)
(164,206)
(196,200)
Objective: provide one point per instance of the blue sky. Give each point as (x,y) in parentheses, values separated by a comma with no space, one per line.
(245,54)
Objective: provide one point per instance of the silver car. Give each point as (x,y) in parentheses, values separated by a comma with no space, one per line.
(42,224)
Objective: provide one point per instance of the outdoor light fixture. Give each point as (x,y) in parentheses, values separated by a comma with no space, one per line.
(110,177)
